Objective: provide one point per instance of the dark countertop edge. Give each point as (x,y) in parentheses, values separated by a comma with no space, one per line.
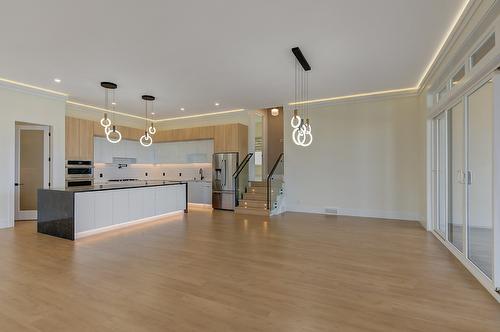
(96,187)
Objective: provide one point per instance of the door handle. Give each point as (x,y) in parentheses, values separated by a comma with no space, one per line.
(18,184)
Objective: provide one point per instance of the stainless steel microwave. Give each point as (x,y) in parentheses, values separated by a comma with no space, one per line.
(79,169)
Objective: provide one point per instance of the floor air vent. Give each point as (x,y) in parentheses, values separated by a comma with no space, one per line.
(334,211)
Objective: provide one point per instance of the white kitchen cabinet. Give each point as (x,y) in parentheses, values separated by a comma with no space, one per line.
(199,192)
(136,203)
(158,153)
(180,197)
(84,212)
(120,206)
(103,214)
(119,150)
(103,152)
(132,149)
(146,155)
(97,210)
(206,193)
(149,202)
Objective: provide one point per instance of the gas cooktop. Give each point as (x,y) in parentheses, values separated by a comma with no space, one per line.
(122,180)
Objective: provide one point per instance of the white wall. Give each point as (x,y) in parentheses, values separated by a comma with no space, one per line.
(17,104)
(367,159)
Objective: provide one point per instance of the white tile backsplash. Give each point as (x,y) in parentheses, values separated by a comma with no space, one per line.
(154,172)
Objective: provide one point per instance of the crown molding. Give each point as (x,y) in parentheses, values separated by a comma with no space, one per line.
(32,89)
(357,98)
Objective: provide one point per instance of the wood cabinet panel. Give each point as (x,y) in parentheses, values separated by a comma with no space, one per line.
(72,138)
(99,130)
(86,141)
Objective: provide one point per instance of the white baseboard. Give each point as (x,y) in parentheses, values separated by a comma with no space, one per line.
(124,225)
(382,214)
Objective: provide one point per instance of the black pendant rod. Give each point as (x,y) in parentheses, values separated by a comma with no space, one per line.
(300,57)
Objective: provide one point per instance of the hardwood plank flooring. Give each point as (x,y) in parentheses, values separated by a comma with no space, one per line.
(217,271)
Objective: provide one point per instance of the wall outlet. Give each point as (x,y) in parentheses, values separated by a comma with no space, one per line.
(100,175)
(180,174)
(332,210)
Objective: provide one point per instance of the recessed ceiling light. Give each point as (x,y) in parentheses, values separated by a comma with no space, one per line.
(217,104)
(57,80)
(182,108)
(153,113)
(113,103)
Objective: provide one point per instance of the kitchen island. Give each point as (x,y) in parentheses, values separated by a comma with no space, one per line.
(73,213)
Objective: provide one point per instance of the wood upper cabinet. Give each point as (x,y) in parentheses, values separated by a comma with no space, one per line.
(86,139)
(231,138)
(79,139)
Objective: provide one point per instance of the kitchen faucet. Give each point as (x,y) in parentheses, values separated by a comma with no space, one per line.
(201,174)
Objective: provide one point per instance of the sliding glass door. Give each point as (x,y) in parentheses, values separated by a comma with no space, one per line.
(463,176)
(457,177)
(480,178)
(441,173)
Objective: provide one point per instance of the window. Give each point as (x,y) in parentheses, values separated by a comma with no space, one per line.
(459,75)
(481,52)
(441,93)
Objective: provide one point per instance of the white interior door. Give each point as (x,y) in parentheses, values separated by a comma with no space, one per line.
(32,168)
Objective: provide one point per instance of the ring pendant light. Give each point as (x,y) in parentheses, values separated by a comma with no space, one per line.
(152,129)
(113,135)
(302,130)
(146,139)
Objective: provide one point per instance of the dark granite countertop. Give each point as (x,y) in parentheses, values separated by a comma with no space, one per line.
(118,185)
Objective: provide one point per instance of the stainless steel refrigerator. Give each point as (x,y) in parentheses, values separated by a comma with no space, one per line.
(223,187)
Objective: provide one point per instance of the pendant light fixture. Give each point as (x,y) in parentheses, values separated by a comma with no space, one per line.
(112,134)
(302,131)
(146,139)
(152,129)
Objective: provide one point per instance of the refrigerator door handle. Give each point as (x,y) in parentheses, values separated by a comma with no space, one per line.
(225,171)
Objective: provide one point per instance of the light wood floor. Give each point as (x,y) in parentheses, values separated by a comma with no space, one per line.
(223,272)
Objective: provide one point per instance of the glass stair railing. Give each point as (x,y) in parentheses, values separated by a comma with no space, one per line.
(275,182)
(241,177)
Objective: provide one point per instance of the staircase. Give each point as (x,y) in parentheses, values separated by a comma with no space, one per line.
(254,200)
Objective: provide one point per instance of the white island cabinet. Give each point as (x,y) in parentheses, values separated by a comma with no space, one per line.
(97,211)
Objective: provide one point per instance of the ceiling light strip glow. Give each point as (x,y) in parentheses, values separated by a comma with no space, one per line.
(440,48)
(100,109)
(34,87)
(368,94)
(199,115)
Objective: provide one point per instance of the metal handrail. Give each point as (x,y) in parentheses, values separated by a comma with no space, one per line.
(236,174)
(269,177)
(242,165)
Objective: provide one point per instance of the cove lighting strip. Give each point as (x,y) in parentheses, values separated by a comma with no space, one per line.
(377,93)
(100,109)
(34,87)
(414,89)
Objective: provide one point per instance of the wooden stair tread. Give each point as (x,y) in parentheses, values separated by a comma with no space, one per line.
(252,211)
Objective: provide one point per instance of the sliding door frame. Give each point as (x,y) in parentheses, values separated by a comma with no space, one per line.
(493,284)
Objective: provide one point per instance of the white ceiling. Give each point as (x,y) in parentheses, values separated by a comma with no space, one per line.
(237,52)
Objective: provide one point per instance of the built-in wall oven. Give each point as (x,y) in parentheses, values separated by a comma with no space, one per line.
(79,173)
